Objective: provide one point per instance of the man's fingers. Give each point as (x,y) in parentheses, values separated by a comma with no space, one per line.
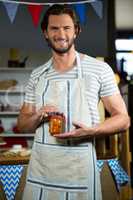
(65,135)
(51,108)
(77,124)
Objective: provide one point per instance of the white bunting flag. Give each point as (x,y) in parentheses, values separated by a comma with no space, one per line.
(11,9)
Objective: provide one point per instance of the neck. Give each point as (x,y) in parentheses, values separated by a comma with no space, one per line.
(64,62)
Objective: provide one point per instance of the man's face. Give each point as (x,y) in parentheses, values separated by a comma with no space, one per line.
(60,33)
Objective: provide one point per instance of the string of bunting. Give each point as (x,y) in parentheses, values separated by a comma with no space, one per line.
(35,8)
(32,2)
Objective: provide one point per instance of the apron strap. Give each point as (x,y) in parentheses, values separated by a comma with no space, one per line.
(80,75)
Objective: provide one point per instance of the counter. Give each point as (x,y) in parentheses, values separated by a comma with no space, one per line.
(14,167)
(14,160)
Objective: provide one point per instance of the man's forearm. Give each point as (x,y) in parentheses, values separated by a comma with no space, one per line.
(112,125)
(29,122)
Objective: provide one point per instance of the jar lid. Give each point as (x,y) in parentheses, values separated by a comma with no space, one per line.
(57,114)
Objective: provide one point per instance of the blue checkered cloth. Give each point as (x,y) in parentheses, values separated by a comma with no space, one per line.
(100,164)
(120,176)
(9,177)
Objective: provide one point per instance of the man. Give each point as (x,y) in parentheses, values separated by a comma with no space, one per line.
(63,166)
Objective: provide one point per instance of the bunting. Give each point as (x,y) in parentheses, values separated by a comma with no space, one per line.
(119,174)
(10,176)
(11,9)
(98,8)
(35,8)
(48,2)
(35,11)
(81,11)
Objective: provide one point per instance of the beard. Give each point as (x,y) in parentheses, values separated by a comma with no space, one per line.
(60,50)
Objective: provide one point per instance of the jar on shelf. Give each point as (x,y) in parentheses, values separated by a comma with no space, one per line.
(56,123)
(1,106)
(1,127)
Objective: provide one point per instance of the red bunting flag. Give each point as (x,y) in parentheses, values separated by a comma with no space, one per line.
(35,11)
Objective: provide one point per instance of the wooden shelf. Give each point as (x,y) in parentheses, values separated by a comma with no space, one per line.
(14,160)
(8,113)
(17,134)
(11,91)
(17,69)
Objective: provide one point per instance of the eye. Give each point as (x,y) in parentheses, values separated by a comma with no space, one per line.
(67,28)
(54,28)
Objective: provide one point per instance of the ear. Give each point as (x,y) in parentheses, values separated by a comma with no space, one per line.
(77,30)
(75,35)
(45,34)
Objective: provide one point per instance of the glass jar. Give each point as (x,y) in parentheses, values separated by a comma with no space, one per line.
(56,123)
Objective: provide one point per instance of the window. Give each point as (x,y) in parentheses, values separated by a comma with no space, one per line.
(124,56)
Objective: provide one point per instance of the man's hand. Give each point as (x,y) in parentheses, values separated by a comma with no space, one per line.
(46,110)
(30,118)
(80,131)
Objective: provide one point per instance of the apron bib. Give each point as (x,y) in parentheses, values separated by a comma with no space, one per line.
(63,166)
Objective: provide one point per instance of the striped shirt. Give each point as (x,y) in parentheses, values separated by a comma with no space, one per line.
(99,82)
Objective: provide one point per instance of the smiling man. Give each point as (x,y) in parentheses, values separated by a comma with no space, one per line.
(63,166)
(61,35)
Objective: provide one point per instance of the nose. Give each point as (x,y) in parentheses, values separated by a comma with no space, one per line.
(61,32)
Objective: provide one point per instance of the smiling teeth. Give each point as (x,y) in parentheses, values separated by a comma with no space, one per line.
(61,42)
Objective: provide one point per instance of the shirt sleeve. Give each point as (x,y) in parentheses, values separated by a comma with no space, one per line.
(30,91)
(108,82)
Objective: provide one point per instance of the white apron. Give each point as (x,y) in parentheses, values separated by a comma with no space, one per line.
(63,169)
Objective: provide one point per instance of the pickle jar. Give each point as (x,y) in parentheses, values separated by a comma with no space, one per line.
(56,123)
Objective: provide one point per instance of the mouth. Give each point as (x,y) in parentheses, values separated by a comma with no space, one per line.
(61,42)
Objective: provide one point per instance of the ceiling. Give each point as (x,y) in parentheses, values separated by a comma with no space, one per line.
(124,14)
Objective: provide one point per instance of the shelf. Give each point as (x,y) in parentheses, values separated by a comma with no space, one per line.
(4,69)
(11,91)
(17,135)
(2,143)
(8,113)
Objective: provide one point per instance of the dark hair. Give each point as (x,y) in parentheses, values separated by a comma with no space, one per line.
(58,9)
